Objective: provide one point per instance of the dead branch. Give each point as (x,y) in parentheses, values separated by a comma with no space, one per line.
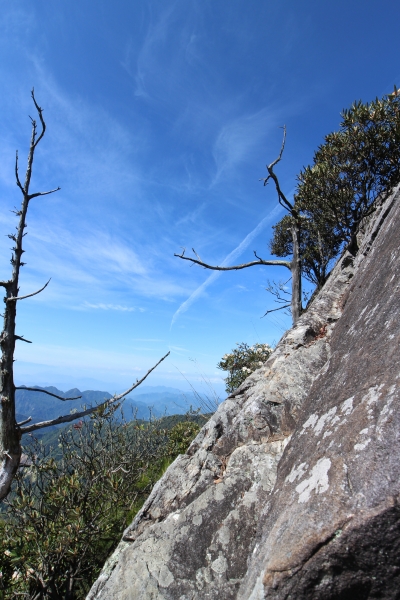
(275,309)
(19,184)
(92,409)
(275,162)
(40,113)
(277,289)
(23,422)
(21,337)
(195,253)
(260,261)
(294,265)
(30,389)
(43,193)
(29,295)
(283,201)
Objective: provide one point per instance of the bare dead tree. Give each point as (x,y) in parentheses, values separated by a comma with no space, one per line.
(294,265)
(10,430)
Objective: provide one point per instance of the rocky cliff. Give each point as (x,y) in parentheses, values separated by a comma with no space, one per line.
(291,489)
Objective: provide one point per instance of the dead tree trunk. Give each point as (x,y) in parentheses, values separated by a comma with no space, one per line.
(9,433)
(296,305)
(294,265)
(10,430)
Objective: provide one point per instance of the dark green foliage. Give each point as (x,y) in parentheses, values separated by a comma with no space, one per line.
(180,437)
(70,504)
(319,244)
(353,168)
(243,361)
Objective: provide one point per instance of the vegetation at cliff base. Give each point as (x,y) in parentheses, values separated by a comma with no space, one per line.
(70,503)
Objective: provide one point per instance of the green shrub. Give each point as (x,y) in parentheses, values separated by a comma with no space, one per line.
(180,437)
(243,361)
(70,504)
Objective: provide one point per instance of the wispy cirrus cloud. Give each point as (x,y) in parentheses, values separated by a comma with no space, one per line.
(146,65)
(117,307)
(232,256)
(238,139)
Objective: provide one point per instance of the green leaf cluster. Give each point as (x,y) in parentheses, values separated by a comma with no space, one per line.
(180,437)
(354,169)
(319,245)
(243,361)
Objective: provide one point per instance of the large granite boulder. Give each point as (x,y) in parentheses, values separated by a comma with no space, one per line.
(291,489)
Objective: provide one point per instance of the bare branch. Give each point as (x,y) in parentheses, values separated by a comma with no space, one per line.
(283,201)
(275,309)
(275,162)
(40,113)
(29,295)
(23,387)
(260,261)
(78,415)
(139,381)
(43,193)
(277,289)
(4,284)
(21,337)
(23,422)
(19,184)
(194,252)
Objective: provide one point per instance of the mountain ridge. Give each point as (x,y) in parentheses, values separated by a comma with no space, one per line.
(165,401)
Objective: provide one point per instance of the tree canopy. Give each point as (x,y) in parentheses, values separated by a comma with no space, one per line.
(352,170)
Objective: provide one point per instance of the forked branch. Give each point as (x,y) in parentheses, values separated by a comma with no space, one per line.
(92,409)
(278,290)
(259,261)
(283,201)
(40,113)
(294,265)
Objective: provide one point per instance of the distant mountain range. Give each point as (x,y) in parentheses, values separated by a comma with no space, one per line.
(157,400)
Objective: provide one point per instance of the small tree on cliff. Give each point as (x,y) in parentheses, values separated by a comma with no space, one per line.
(319,245)
(10,430)
(241,362)
(293,265)
(355,167)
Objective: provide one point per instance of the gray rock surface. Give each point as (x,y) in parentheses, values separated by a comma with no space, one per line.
(291,489)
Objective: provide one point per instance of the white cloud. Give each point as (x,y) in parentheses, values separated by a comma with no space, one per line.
(237,140)
(117,307)
(231,258)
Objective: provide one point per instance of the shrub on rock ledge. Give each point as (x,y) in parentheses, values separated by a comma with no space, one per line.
(243,361)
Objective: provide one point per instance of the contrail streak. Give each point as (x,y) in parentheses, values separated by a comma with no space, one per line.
(230,258)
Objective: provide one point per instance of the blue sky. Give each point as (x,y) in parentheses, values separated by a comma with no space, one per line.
(161,116)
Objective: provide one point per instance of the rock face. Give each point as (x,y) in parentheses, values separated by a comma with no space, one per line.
(291,489)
